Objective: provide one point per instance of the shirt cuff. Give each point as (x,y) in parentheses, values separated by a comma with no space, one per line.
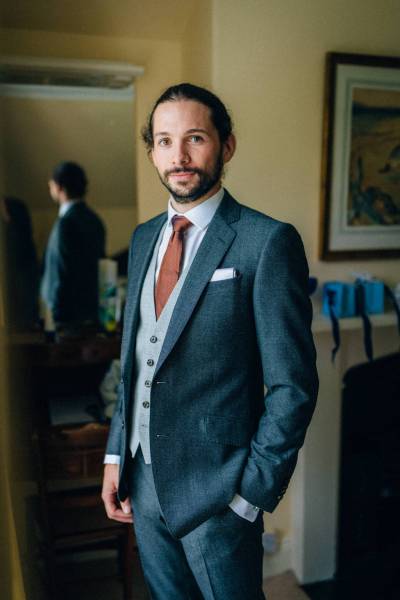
(111,459)
(244,509)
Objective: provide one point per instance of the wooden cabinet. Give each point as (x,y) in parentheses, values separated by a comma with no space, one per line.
(69,455)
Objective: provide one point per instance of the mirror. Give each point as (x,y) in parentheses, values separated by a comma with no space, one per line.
(82,111)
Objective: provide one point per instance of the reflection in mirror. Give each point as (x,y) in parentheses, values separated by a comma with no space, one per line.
(80,111)
(69,284)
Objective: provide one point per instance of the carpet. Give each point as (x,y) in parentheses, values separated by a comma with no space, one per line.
(283,587)
(277,587)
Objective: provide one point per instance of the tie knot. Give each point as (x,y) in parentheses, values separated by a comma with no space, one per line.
(180,224)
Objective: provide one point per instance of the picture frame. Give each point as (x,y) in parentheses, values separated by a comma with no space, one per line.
(360,182)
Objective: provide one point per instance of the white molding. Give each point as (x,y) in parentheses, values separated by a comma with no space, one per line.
(59,92)
(322,324)
(73,65)
(115,74)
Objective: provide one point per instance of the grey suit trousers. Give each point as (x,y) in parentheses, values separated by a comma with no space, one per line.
(221,559)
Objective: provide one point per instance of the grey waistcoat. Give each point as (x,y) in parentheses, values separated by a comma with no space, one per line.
(149,340)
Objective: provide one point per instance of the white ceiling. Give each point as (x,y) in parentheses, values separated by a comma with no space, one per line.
(146,19)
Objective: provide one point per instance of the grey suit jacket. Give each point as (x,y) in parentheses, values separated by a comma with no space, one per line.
(70,279)
(213,431)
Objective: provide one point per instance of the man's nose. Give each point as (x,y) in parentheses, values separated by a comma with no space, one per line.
(181,156)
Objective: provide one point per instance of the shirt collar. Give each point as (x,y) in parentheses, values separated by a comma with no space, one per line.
(65,206)
(202,214)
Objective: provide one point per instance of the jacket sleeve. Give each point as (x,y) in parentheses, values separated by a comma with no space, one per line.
(283,317)
(114,436)
(117,422)
(64,261)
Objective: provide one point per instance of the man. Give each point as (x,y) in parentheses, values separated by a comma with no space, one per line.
(217,306)
(69,285)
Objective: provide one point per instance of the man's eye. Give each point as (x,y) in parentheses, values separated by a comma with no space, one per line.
(196,138)
(163,142)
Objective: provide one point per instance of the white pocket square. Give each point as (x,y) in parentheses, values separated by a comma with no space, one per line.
(221,274)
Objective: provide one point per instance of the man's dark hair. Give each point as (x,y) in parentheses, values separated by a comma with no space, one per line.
(187,91)
(72,178)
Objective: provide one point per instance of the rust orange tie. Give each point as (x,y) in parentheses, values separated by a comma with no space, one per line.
(171,264)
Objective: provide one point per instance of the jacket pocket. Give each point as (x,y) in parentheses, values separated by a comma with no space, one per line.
(235,431)
(230,285)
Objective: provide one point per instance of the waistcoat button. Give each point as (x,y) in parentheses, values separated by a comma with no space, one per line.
(147,383)
(153,339)
(146,404)
(150,362)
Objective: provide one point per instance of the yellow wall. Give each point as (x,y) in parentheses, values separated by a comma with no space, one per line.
(268,65)
(162,61)
(197,45)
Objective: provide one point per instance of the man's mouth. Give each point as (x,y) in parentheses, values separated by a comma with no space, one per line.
(181,175)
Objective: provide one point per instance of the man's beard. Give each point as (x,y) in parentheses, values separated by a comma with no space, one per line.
(205,183)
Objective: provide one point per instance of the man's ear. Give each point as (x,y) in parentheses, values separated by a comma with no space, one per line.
(229,148)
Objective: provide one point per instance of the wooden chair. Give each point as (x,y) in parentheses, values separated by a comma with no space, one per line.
(73,516)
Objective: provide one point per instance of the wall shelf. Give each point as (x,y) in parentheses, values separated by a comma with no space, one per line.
(322,324)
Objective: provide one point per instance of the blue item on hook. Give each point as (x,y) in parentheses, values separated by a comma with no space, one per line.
(341,299)
(362,298)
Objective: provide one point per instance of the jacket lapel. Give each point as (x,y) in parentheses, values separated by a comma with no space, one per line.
(139,262)
(213,248)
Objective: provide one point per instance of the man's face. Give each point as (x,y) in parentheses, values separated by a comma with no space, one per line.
(54,190)
(187,152)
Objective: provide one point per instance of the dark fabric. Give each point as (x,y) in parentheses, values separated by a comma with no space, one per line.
(21,269)
(212,432)
(396,304)
(220,559)
(70,280)
(334,321)
(361,310)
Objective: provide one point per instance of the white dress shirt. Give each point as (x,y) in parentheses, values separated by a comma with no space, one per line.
(65,206)
(201,217)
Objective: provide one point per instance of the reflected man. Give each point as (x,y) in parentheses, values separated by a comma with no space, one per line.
(69,286)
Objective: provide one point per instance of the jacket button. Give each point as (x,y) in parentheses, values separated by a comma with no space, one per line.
(147,383)
(123,424)
(145,404)
(153,339)
(150,362)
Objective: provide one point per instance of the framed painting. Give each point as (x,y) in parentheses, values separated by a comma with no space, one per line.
(360,195)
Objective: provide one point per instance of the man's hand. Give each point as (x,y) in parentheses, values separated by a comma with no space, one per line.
(114,510)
